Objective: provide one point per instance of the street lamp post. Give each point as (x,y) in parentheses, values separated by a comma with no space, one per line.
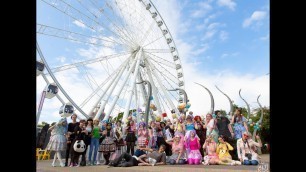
(148,101)
(185,96)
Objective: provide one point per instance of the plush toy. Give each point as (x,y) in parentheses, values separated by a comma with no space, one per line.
(158,119)
(79,146)
(173,115)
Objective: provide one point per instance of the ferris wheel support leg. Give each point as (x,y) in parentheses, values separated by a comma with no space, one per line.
(156,99)
(136,103)
(116,97)
(112,83)
(162,88)
(57,83)
(142,88)
(133,80)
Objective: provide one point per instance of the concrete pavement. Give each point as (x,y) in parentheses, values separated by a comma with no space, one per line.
(45,166)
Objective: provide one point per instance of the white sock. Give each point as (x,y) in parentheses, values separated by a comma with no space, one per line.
(59,157)
(54,158)
(98,157)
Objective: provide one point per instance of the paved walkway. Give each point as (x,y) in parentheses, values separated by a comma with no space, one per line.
(45,166)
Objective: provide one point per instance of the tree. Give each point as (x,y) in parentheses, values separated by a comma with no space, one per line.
(43,123)
(265,125)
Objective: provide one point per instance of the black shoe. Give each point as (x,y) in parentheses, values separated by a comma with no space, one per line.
(66,164)
(112,164)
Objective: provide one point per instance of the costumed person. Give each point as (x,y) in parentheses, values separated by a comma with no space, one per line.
(223,149)
(247,146)
(94,143)
(190,126)
(180,129)
(192,144)
(178,151)
(70,136)
(108,145)
(200,131)
(211,127)
(225,129)
(130,137)
(239,122)
(88,127)
(169,130)
(152,135)
(210,147)
(58,140)
(78,145)
(119,135)
(160,134)
(142,134)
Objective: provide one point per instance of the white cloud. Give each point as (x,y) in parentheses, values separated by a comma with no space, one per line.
(264,38)
(229,83)
(227,3)
(209,34)
(204,8)
(78,23)
(62,59)
(223,35)
(226,55)
(200,50)
(255,17)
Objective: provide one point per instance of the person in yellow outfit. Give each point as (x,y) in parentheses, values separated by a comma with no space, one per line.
(223,149)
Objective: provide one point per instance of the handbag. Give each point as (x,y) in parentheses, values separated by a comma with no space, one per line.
(248,155)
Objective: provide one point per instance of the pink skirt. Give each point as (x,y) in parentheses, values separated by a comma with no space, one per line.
(194,154)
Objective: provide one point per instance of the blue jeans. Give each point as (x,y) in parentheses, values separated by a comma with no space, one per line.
(94,143)
(247,162)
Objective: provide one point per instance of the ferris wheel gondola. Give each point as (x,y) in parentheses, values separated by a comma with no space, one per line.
(39,68)
(51,90)
(66,110)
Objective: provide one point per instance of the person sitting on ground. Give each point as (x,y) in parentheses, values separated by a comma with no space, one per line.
(223,149)
(178,155)
(192,145)
(247,146)
(210,147)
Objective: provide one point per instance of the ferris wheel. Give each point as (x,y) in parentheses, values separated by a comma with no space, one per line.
(101,54)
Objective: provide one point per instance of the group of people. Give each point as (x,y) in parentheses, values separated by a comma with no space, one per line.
(184,140)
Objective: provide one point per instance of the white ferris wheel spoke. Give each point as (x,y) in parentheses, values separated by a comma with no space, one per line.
(111,88)
(73,36)
(79,16)
(86,62)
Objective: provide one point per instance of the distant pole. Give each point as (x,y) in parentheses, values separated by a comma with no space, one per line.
(148,101)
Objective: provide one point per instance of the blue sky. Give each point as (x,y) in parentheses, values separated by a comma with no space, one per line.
(227,43)
(220,42)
